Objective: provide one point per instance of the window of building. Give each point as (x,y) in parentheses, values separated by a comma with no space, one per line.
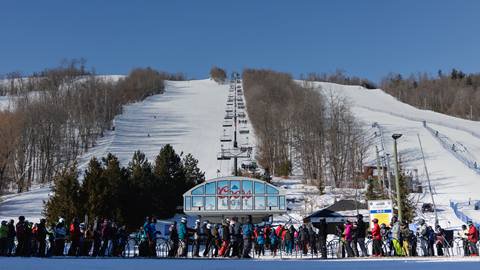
(259,188)
(259,202)
(198,191)
(210,188)
(210,203)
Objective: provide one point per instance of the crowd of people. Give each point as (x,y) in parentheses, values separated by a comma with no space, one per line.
(101,238)
(230,238)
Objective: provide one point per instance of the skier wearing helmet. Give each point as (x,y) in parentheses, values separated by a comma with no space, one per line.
(60,233)
(183,238)
(472,238)
(377,239)
(423,233)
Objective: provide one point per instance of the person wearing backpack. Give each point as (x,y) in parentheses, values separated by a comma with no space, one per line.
(273,243)
(261,243)
(247,231)
(60,233)
(22,238)
(41,237)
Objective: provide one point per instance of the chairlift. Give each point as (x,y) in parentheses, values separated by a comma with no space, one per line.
(227,124)
(249,164)
(244,131)
(221,156)
(245,147)
(225,137)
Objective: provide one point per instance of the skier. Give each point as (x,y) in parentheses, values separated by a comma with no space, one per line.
(304,238)
(88,238)
(396,241)
(273,243)
(463,234)
(348,238)
(150,233)
(432,237)
(361,234)
(60,233)
(97,240)
(122,239)
(11,237)
(21,233)
(74,238)
(405,236)
(289,239)
(377,239)
(105,232)
(423,234)
(235,237)
(3,238)
(260,243)
(322,237)
(472,238)
(174,242)
(196,238)
(216,239)
(183,238)
(312,239)
(209,241)
(247,231)
(440,240)
(41,236)
(341,240)
(223,252)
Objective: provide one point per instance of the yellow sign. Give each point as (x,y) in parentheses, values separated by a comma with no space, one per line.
(381,210)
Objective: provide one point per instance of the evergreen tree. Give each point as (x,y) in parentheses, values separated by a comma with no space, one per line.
(408,206)
(140,184)
(170,182)
(91,188)
(193,174)
(65,200)
(115,194)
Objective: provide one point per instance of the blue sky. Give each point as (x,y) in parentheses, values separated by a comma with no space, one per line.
(364,38)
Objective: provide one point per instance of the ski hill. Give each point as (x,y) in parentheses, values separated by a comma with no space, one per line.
(189,116)
(452,178)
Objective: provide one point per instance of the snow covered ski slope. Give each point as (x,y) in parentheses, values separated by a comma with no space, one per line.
(451,179)
(189,116)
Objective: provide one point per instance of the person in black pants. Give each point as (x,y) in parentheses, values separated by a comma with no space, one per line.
(322,237)
(361,233)
(41,237)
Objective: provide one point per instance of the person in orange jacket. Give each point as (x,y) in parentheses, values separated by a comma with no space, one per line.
(377,239)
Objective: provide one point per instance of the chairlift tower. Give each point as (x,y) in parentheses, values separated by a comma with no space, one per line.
(235,152)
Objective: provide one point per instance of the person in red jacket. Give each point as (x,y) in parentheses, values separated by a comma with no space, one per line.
(377,239)
(472,238)
(75,234)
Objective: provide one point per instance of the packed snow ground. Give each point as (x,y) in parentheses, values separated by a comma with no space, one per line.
(222,264)
(189,116)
